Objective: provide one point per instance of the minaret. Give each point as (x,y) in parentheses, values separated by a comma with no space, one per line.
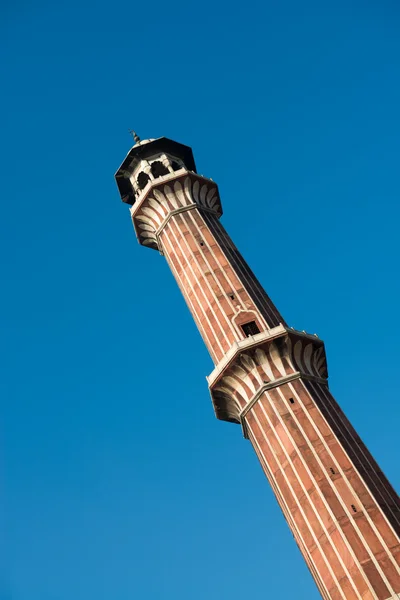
(270,379)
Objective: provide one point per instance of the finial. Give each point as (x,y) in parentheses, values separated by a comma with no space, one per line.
(135,136)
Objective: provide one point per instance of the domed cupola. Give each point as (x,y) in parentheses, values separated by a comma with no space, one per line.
(149,160)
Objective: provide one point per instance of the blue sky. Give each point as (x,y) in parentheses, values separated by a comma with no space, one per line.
(119,482)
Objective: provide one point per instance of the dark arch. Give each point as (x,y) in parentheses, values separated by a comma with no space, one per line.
(158,169)
(142,180)
(176,166)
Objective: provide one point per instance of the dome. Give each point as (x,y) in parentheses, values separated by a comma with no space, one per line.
(143,150)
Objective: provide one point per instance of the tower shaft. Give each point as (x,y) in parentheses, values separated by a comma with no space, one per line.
(271,379)
(220,290)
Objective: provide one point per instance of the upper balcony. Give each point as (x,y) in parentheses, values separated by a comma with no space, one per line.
(147,161)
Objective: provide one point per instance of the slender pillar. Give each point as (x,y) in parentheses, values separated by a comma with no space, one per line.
(270,379)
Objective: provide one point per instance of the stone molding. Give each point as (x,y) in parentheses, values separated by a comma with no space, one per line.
(270,386)
(170,195)
(267,360)
(178,211)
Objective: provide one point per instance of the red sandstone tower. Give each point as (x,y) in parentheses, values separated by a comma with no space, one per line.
(271,379)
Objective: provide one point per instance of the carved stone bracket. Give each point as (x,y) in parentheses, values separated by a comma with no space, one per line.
(169,196)
(281,356)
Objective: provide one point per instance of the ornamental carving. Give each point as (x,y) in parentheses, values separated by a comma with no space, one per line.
(293,354)
(167,197)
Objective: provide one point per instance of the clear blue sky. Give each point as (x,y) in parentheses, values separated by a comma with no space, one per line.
(119,482)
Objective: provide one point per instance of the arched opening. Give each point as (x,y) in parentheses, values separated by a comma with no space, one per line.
(158,169)
(250,328)
(247,322)
(176,166)
(142,180)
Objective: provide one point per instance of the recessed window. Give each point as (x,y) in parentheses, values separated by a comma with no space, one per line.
(250,328)
(158,169)
(353,508)
(176,166)
(142,180)
(332,470)
(201,243)
(232,296)
(291,400)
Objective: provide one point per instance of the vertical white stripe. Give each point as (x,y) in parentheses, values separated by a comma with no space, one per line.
(224,273)
(317,489)
(334,489)
(289,519)
(244,278)
(299,506)
(207,341)
(247,277)
(336,463)
(185,219)
(333,413)
(230,283)
(187,255)
(196,294)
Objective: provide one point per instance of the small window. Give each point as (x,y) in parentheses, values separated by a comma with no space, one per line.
(142,180)
(201,243)
(291,400)
(353,508)
(250,328)
(332,470)
(232,296)
(176,166)
(158,169)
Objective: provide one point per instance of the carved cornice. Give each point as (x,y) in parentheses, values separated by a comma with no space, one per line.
(167,198)
(262,365)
